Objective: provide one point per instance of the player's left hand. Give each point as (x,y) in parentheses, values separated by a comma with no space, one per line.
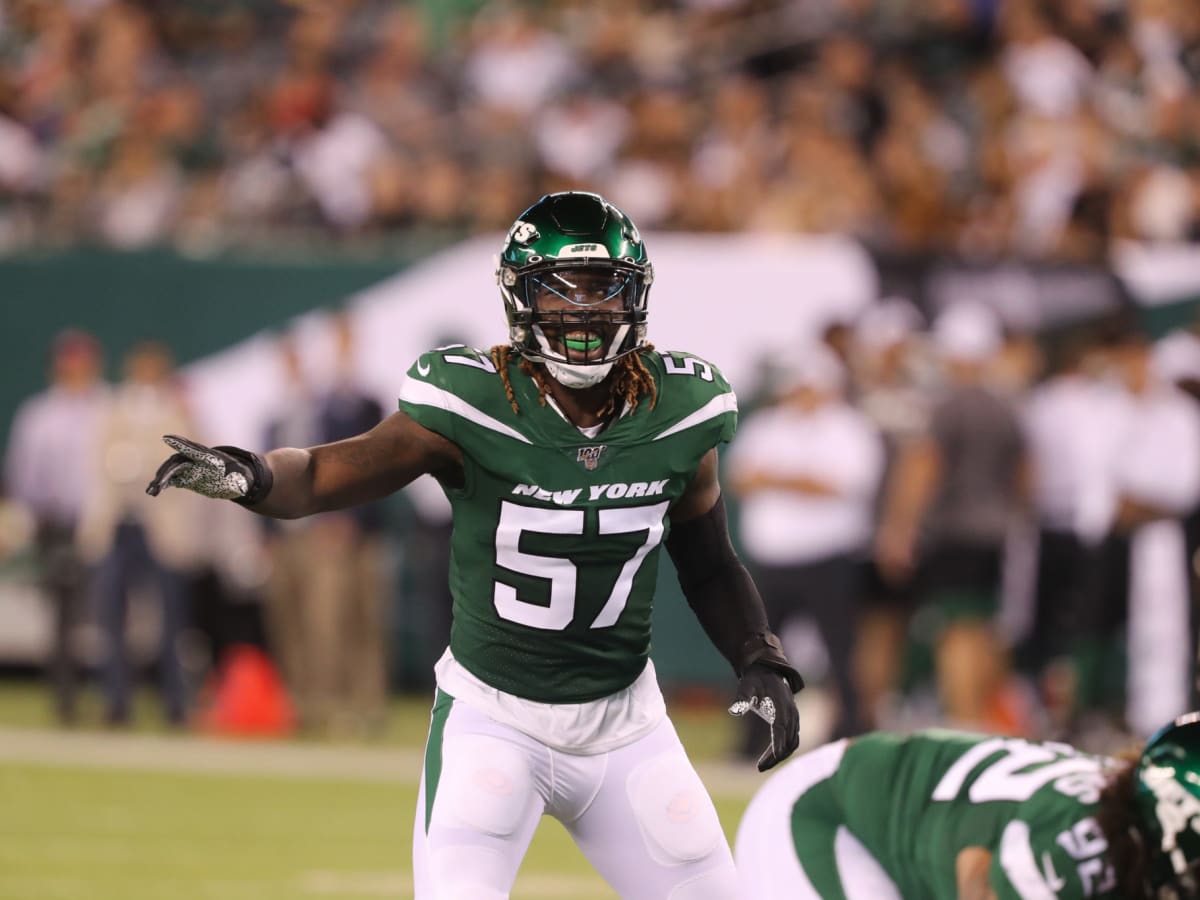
(764,691)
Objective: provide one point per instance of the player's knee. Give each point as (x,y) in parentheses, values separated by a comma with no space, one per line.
(720,883)
(676,818)
(485,785)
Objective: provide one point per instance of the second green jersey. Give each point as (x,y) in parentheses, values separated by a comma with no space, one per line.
(916,801)
(556,535)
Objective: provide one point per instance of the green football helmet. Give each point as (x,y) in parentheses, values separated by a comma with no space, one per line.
(574,276)
(1167,793)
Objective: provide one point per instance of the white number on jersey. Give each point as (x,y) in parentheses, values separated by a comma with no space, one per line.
(468,356)
(1020,771)
(688,365)
(1085,841)
(561,573)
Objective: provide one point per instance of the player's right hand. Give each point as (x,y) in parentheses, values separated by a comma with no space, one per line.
(765,692)
(223,473)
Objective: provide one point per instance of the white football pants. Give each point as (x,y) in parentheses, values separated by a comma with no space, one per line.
(639,813)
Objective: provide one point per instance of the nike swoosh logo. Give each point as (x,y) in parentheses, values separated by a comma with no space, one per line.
(422,369)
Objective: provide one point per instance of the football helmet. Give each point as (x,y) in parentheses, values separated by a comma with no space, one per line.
(574,276)
(1167,794)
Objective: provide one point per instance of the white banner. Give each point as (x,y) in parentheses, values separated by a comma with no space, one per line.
(727,298)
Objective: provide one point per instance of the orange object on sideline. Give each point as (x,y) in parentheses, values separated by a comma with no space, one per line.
(248,697)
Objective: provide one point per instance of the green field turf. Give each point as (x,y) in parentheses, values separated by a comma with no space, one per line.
(147,817)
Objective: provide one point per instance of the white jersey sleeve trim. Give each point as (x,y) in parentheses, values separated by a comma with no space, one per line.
(1016,858)
(422,393)
(722,403)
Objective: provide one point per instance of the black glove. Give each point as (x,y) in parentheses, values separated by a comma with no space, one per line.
(223,473)
(764,690)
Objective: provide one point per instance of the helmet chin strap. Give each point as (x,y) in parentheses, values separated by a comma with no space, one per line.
(577,377)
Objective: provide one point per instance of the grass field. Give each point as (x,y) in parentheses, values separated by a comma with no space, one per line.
(145,816)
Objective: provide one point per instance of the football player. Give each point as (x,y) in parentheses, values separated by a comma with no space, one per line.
(942,814)
(571,454)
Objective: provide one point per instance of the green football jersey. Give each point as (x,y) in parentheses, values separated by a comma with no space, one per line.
(557,536)
(916,801)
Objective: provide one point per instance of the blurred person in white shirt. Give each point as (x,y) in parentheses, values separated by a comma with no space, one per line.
(515,65)
(1073,421)
(806,469)
(132,540)
(578,138)
(1049,75)
(1157,485)
(51,432)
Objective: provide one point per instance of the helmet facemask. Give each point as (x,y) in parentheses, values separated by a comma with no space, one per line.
(577,317)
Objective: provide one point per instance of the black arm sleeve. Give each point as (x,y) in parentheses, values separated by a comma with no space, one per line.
(722,595)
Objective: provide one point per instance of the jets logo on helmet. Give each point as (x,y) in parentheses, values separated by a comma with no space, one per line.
(1176,809)
(522,232)
(1167,793)
(574,277)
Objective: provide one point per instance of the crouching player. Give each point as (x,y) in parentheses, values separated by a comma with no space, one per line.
(938,815)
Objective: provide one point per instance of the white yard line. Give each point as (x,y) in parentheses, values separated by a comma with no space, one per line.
(198,754)
(285,759)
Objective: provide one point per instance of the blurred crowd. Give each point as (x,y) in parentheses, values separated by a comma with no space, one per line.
(247,624)
(998,527)
(1043,128)
(949,521)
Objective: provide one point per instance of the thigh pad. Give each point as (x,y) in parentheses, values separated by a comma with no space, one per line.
(673,811)
(485,785)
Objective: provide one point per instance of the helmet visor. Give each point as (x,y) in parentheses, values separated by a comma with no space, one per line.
(594,287)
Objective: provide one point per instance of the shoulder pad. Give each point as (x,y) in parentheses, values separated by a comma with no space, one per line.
(705,373)
(693,394)
(453,366)
(453,384)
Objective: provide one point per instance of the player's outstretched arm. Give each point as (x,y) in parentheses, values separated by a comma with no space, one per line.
(290,482)
(723,596)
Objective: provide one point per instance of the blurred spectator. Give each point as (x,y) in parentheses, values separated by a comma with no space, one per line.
(807,468)
(1048,74)
(1156,478)
(139,195)
(327,614)
(951,501)
(1074,422)
(888,392)
(579,138)
(515,65)
(51,434)
(132,540)
(335,154)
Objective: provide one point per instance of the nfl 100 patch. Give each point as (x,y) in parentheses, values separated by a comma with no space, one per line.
(590,456)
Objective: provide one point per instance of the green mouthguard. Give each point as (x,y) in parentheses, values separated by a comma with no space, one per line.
(589,344)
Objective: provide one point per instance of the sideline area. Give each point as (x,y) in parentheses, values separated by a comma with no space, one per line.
(274,758)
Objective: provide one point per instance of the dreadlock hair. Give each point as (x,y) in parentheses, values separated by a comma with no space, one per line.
(1118,818)
(632,379)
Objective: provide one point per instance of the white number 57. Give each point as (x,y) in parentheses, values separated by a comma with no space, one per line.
(516,519)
